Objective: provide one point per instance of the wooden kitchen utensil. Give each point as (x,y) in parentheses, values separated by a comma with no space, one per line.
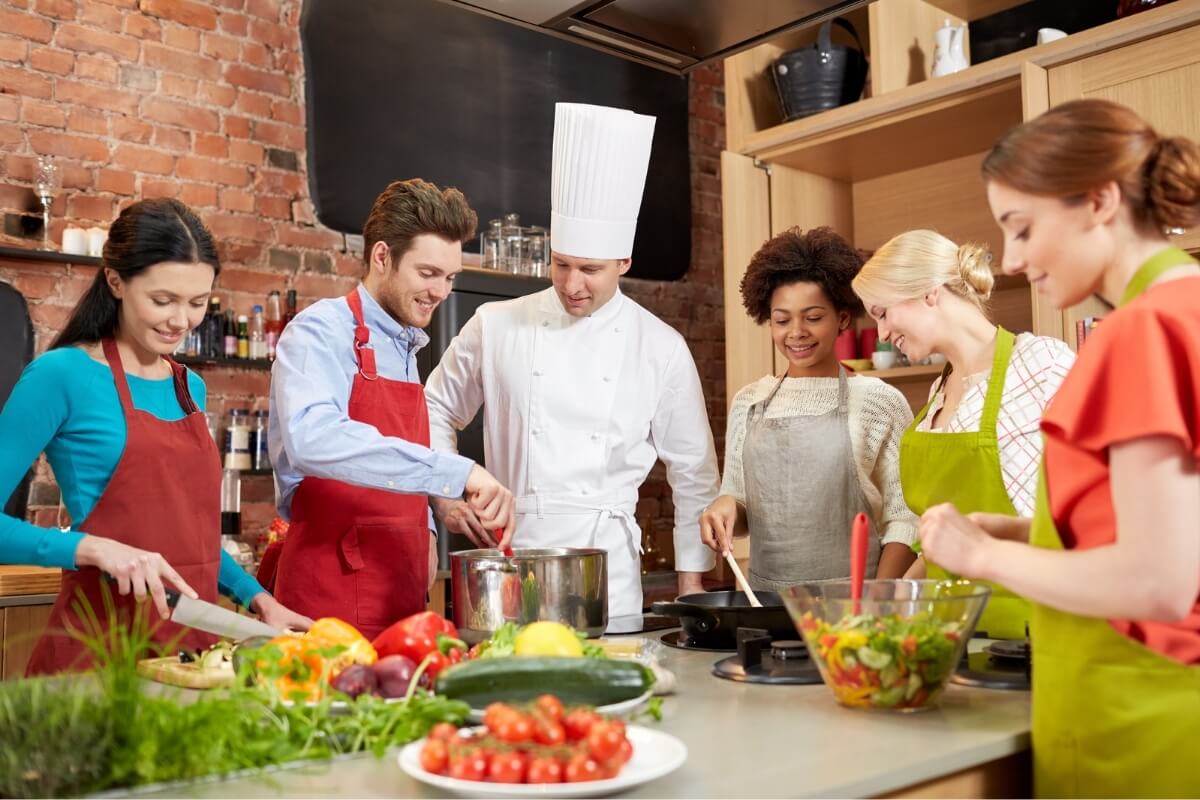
(858,558)
(741,579)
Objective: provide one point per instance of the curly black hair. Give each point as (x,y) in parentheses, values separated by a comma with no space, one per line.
(819,256)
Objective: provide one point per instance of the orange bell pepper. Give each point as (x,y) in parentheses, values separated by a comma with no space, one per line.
(298,673)
(330,632)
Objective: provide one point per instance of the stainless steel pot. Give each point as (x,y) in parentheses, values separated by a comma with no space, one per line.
(564,584)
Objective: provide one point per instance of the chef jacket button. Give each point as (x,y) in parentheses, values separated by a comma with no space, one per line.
(616,330)
(446,489)
(536,431)
(583,491)
(608,379)
(537,373)
(545,324)
(595,436)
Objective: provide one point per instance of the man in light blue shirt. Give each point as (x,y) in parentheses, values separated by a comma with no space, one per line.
(349,431)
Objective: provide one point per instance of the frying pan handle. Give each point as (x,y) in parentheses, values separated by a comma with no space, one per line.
(700,619)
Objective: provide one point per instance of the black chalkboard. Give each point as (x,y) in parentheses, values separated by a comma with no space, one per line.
(420,88)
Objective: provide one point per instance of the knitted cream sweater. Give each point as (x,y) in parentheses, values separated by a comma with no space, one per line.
(878,416)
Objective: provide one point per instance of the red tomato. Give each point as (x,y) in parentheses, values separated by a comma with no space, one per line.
(444,731)
(471,768)
(548,732)
(604,741)
(578,722)
(544,769)
(434,756)
(515,729)
(626,751)
(508,767)
(582,767)
(550,706)
(492,715)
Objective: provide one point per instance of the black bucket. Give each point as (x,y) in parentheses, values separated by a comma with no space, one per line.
(820,77)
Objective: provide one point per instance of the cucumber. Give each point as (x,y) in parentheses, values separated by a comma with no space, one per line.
(575,681)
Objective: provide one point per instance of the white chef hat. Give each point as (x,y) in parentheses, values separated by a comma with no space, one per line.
(600,160)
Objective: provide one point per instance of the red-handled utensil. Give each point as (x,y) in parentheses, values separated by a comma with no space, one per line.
(508,551)
(858,558)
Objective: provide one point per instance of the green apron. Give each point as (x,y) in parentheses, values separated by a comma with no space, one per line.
(1111,717)
(964,469)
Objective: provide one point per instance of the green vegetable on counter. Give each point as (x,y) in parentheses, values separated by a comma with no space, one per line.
(575,681)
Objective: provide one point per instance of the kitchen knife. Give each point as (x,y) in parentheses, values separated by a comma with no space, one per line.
(211,618)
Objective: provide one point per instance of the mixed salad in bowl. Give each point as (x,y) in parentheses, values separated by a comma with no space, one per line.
(898,648)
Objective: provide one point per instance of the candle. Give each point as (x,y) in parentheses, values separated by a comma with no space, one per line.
(75,241)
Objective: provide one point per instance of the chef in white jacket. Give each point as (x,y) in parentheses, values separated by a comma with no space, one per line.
(582,388)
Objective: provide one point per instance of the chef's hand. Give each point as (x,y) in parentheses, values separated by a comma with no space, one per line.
(458,517)
(490,500)
(954,542)
(277,615)
(690,583)
(139,571)
(1002,526)
(717,523)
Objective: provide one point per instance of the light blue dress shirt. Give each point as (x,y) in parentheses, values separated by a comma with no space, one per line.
(311,433)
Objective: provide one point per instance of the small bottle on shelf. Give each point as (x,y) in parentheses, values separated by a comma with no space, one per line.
(243,336)
(237,440)
(290,311)
(274,323)
(212,339)
(260,455)
(257,334)
(231,341)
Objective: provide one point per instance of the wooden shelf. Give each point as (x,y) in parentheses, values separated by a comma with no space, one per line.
(940,118)
(223,361)
(906,373)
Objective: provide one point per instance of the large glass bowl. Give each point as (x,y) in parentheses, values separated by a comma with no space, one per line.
(895,651)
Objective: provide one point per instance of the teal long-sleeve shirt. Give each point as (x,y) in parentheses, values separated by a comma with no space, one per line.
(65,404)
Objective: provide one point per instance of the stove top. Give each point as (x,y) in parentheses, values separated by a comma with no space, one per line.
(1003,664)
(760,659)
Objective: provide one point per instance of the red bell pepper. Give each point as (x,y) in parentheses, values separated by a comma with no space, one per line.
(423,635)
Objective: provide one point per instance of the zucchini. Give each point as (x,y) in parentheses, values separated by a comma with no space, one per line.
(575,681)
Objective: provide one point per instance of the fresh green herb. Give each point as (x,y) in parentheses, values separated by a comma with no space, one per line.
(653,710)
(71,737)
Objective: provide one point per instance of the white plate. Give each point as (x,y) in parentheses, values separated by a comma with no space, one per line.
(654,754)
(622,709)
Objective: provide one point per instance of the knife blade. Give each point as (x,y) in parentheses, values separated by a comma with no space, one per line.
(211,618)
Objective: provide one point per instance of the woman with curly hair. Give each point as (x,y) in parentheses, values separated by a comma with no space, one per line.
(977,442)
(808,450)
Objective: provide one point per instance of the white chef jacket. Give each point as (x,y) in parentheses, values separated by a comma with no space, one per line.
(577,412)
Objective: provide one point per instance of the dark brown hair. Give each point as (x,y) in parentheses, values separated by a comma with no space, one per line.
(1077,146)
(407,209)
(146,233)
(819,256)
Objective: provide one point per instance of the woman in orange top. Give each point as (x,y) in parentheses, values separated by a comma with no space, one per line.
(1085,195)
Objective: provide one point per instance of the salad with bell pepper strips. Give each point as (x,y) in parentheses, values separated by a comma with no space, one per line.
(423,635)
(884,661)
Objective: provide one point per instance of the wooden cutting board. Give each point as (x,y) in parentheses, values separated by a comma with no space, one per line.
(170,670)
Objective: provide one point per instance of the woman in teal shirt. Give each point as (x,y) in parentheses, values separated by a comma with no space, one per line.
(158,269)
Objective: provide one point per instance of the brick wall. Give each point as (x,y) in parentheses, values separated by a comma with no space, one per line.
(204,101)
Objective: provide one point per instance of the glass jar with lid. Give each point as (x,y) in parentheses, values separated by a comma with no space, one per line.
(537,252)
(489,245)
(512,241)
(237,440)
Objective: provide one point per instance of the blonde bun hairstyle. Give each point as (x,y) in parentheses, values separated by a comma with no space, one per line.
(915,263)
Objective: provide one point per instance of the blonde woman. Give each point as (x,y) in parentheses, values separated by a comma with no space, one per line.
(976,443)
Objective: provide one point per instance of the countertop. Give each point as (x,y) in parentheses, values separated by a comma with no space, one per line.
(743,741)
(21,580)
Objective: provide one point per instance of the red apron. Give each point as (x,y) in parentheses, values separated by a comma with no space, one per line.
(164,496)
(355,553)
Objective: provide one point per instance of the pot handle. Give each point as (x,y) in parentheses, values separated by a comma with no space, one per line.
(702,620)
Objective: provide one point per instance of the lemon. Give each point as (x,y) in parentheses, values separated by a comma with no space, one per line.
(547,639)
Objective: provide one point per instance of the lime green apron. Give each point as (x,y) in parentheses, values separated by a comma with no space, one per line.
(1111,717)
(964,469)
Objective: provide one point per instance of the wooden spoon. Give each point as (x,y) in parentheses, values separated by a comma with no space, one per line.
(858,559)
(741,579)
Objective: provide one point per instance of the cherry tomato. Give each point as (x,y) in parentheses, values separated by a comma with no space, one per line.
(444,731)
(578,722)
(508,767)
(582,767)
(544,769)
(548,732)
(603,741)
(492,715)
(551,706)
(434,756)
(514,729)
(471,768)
(625,752)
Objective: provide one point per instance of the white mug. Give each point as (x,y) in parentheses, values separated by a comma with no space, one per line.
(1050,35)
(884,359)
(75,241)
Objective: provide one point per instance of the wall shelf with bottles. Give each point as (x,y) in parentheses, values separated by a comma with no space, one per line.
(47,256)
(223,361)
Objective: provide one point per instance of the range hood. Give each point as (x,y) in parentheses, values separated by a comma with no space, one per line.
(673,35)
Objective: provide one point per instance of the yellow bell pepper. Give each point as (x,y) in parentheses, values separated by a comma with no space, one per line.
(333,632)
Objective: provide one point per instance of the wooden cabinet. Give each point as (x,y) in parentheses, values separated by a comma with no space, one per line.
(909,155)
(26,596)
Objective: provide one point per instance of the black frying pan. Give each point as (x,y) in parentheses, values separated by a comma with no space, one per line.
(711,619)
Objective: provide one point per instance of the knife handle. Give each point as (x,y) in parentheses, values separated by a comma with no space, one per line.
(172,597)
